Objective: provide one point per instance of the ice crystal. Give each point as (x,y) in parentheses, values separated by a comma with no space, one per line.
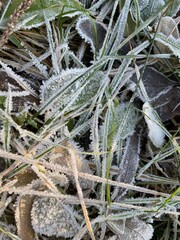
(51,218)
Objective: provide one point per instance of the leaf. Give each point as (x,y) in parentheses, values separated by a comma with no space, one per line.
(164,94)
(34,17)
(156,133)
(119,123)
(6,124)
(19,80)
(172,43)
(129,162)
(60,155)
(51,217)
(24,205)
(174,8)
(119,28)
(84,88)
(23,217)
(167,27)
(148,8)
(93,32)
(19,96)
(123,120)
(134,229)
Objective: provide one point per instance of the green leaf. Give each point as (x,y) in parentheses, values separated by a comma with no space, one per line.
(80,93)
(34,16)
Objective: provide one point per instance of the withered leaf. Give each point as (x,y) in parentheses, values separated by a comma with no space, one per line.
(24,206)
(163,93)
(23,218)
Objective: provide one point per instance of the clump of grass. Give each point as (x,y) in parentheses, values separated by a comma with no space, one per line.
(81,158)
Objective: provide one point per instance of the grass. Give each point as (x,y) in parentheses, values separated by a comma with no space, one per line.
(89,120)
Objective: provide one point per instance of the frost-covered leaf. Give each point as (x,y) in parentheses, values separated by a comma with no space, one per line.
(117,33)
(164,95)
(130,161)
(173,8)
(93,32)
(134,229)
(168,27)
(60,155)
(6,124)
(34,17)
(79,93)
(24,205)
(52,218)
(148,8)
(20,98)
(120,124)
(172,43)
(20,81)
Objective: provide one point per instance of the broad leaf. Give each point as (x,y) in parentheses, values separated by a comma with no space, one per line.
(130,161)
(92,32)
(133,228)
(34,16)
(149,7)
(79,93)
(164,94)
